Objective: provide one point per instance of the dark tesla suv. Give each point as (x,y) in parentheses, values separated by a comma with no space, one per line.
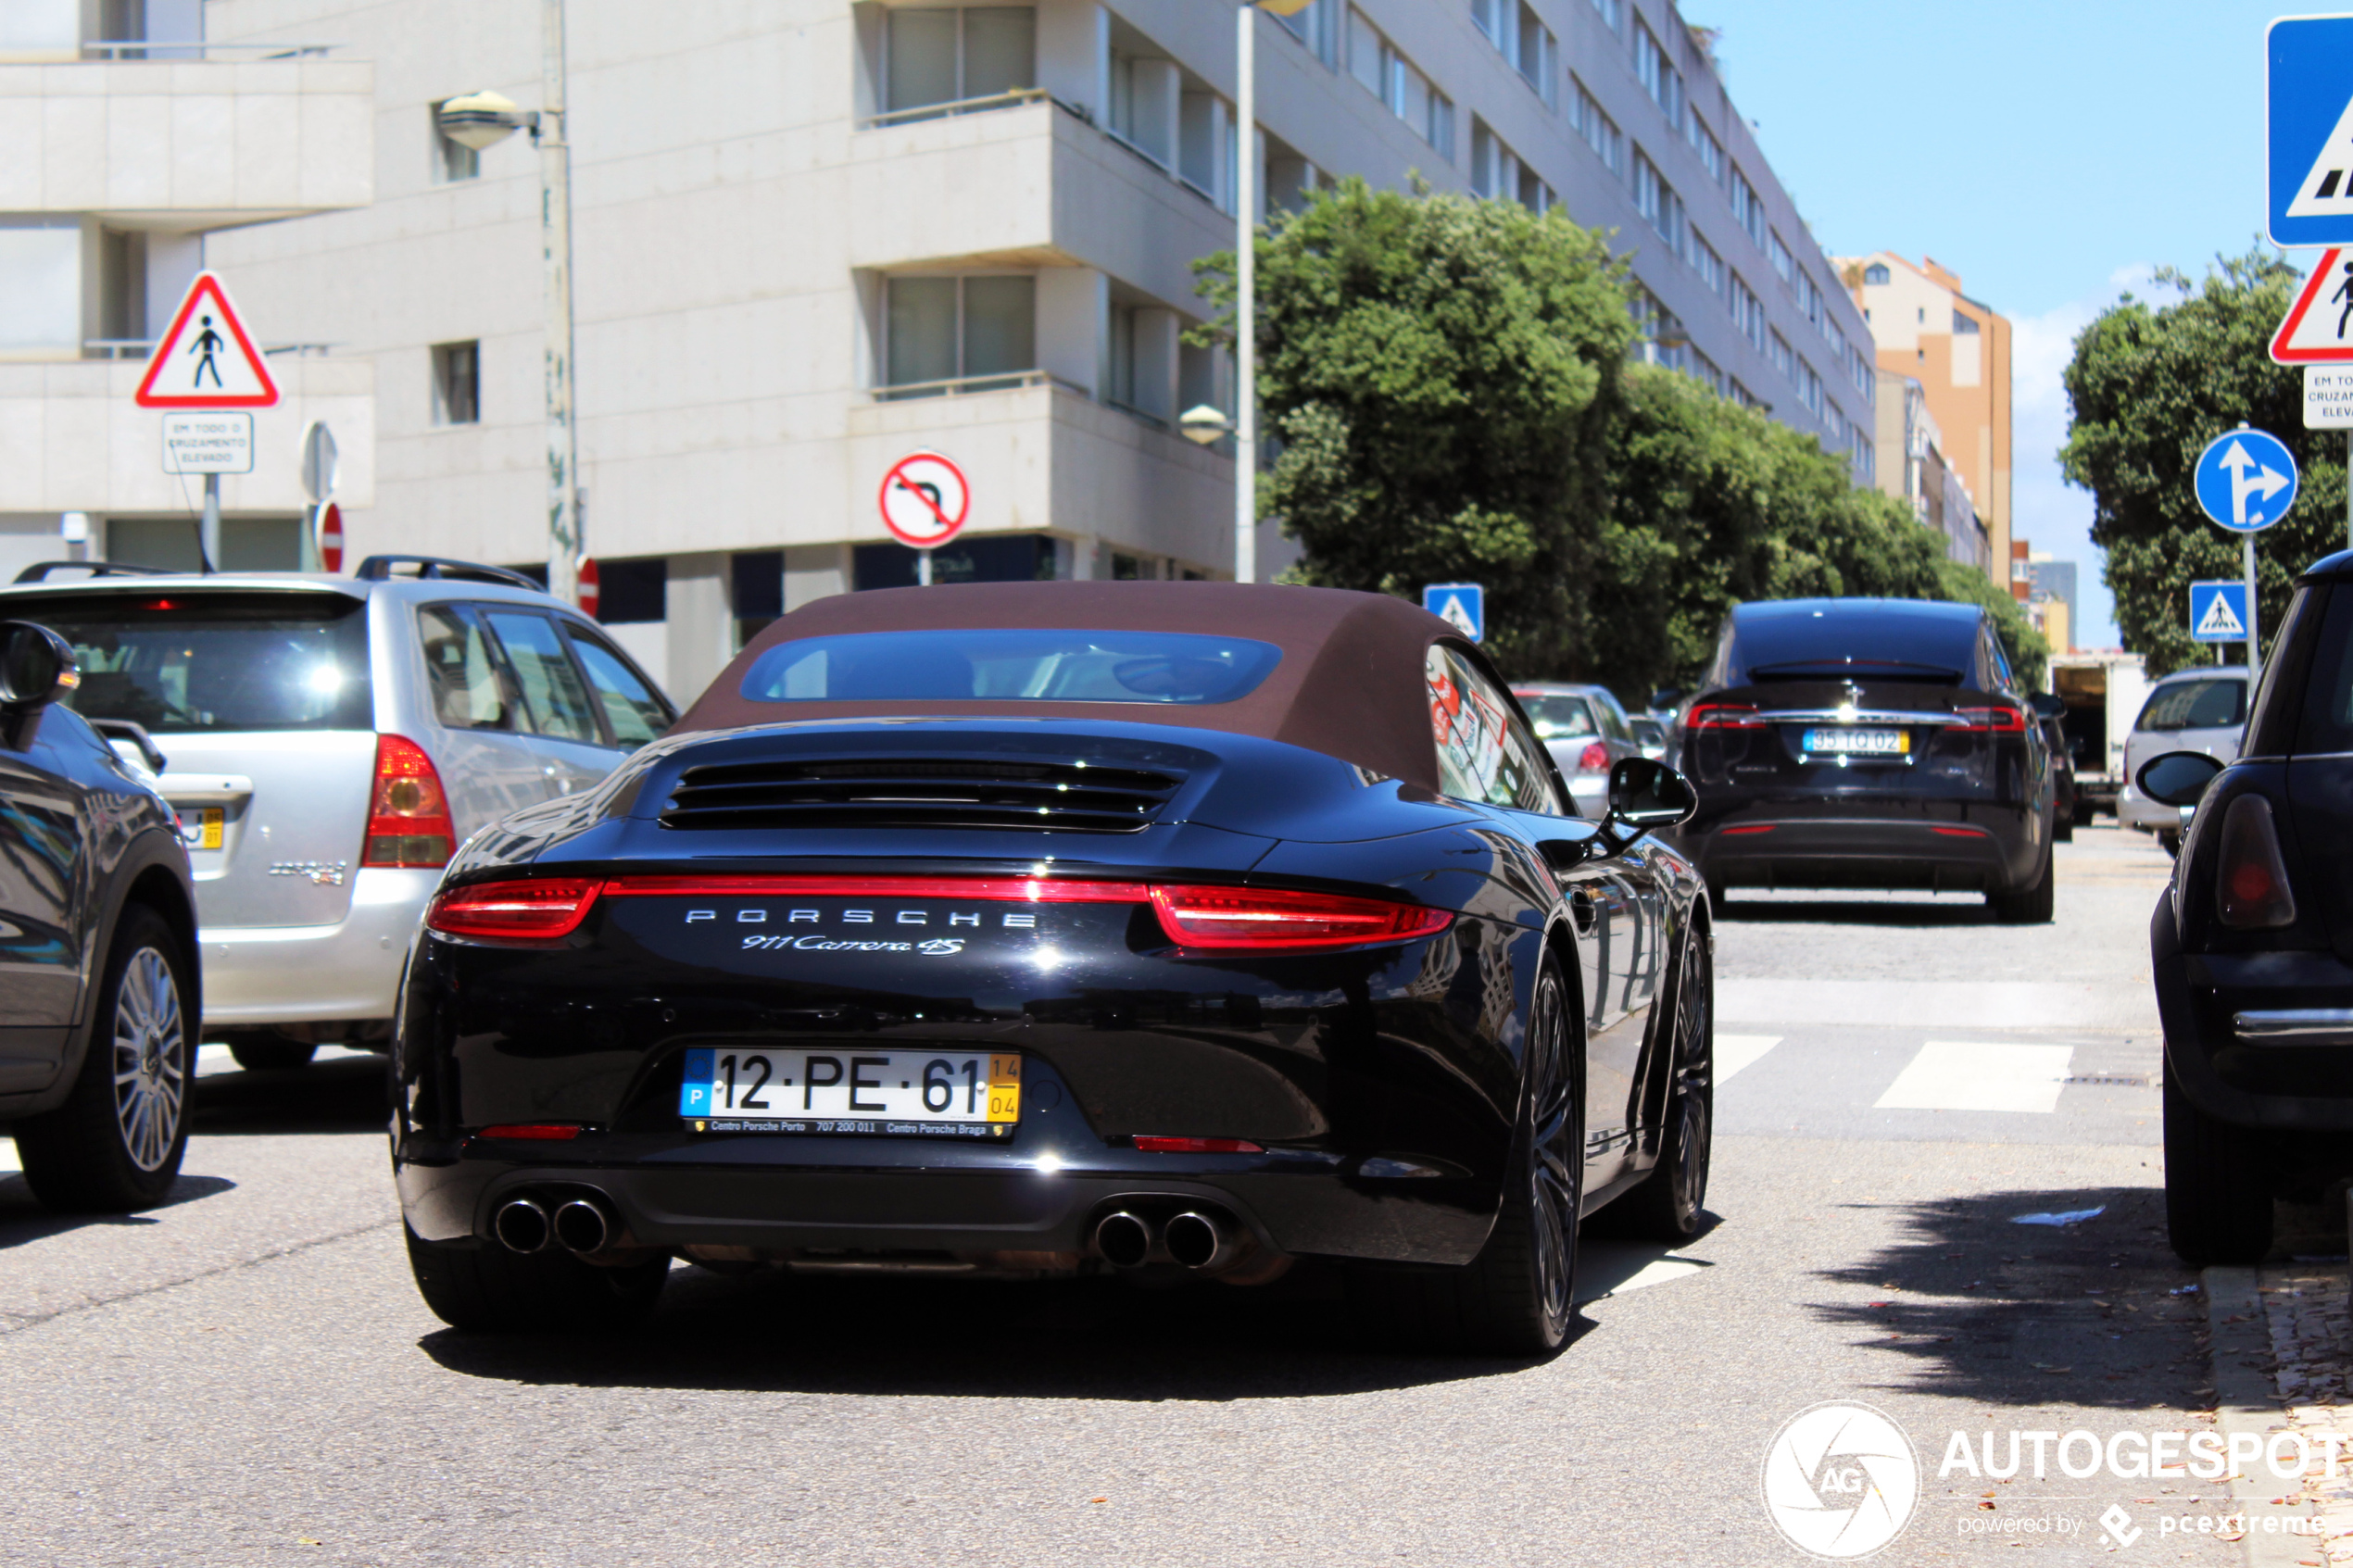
(2252,946)
(1868,743)
(98,998)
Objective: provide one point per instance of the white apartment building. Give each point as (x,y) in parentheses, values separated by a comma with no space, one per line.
(815,236)
(129,144)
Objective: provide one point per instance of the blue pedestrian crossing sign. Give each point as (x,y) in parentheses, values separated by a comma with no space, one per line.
(2217,612)
(2309,80)
(1465,604)
(2246,479)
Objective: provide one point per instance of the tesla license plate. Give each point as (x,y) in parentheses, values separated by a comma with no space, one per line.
(909,1092)
(1859,743)
(200,826)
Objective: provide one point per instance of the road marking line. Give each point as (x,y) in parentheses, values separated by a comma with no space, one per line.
(1958,1075)
(1736,1051)
(8,1161)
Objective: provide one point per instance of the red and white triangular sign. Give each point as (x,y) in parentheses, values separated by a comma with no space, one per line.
(2319,328)
(206,360)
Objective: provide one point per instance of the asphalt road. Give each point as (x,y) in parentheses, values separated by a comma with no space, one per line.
(246,1376)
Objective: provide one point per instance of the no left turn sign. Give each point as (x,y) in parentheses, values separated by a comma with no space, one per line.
(925,499)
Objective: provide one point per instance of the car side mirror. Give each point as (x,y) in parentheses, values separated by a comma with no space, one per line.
(37,667)
(2049,705)
(2178,778)
(1646,794)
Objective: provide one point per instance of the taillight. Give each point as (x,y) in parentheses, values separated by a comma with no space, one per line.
(1991,721)
(1245,920)
(2250,886)
(1723,716)
(409,815)
(1594,758)
(540,910)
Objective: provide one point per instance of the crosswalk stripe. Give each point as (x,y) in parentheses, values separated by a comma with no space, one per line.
(1736,1051)
(1959,1075)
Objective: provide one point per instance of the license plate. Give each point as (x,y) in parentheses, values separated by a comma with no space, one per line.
(200,826)
(1860,743)
(918,1093)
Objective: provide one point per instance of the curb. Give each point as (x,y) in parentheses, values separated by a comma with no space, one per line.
(2246,1400)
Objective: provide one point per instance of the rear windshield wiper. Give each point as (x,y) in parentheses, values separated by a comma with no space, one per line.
(1833,669)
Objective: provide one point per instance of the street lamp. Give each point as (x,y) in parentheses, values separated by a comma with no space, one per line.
(483,119)
(1245,424)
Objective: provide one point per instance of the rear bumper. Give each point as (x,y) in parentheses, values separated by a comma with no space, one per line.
(2257,1039)
(1760,847)
(306,973)
(2138,811)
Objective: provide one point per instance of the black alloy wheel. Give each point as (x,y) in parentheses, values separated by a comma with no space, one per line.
(1519,1296)
(1667,1206)
(2217,1193)
(117,1142)
(481,1287)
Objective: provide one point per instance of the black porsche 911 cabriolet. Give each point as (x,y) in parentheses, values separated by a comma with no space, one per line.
(1041,929)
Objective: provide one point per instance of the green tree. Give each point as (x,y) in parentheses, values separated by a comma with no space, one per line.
(1442,375)
(2151,385)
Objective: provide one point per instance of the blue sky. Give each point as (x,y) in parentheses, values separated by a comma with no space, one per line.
(2050,152)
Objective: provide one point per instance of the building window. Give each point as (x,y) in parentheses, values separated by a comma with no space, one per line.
(1613,12)
(1810,386)
(1748,313)
(1863,372)
(968,334)
(1515,28)
(1660,80)
(1838,338)
(1707,371)
(1395,81)
(453,160)
(1783,263)
(1703,142)
(1964,323)
(1600,131)
(1747,210)
(1809,298)
(1312,26)
(457,384)
(1875,274)
(945,55)
(1709,265)
(1783,360)
(1658,202)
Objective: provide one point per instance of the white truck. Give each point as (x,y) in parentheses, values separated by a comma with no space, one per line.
(2104,691)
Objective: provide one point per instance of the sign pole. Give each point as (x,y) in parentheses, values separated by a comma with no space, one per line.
(1246,304)
(564,542)
(923,568)
(209,531)
(2254,622)
(2349,488)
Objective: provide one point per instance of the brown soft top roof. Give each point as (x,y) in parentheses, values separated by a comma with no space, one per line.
(1350,683)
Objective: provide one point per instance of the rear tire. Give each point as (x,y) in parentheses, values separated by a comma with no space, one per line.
(2063,828)
(117,1142)
(1667,1206)
(483,1287)
(2031,905)
(271,1055)
(2173,843)
(1519,1296)
(2217,1195)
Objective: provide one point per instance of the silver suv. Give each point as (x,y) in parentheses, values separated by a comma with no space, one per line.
(2200,709)
(327,743)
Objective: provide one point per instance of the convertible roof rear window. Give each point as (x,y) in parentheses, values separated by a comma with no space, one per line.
(1011,664)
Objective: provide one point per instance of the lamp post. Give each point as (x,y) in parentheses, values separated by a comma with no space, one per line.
(482,120)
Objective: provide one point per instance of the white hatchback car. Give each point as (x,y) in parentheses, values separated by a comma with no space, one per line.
(327,743)
(2201,708)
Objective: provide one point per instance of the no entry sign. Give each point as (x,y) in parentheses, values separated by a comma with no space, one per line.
(925,499)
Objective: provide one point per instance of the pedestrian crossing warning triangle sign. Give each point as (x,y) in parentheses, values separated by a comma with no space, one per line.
(2327,187)
(206,360)
(2318,327)
(2220,620)
(1453,610)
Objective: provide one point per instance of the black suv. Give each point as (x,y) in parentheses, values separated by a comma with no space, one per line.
(1868,743)
(2252,946)
(98,994)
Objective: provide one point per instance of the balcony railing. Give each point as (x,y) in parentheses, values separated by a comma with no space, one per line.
(958,386)
(198,49)
(140,347)
(968,105)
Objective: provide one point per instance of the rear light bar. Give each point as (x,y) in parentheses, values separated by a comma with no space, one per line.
(1744,828)
(2251,892)
(1990,721)
(1228,920)
(531,1131)
(407,812)
(1724,716)
(1196,1145)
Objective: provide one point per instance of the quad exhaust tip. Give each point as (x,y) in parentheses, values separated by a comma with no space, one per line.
(583,1226)
(522,1226)
(1199,1241)
(1123,1239)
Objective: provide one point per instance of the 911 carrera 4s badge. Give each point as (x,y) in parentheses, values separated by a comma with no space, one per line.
(872,929)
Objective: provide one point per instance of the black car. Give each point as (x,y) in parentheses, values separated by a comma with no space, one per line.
(2252,945)
(1868,743)
(2066,804)
(1182,930)
(98,993)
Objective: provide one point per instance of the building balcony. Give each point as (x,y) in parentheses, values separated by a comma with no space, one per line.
(72,439)
(187,145)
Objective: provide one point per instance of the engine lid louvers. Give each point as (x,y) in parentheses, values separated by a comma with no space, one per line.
(931,792)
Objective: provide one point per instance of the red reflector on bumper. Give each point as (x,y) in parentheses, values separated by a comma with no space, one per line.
(1198,1146)
(1753,827)
(531,1130)
(1962,832)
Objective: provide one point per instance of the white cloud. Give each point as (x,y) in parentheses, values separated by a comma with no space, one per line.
(2043,510)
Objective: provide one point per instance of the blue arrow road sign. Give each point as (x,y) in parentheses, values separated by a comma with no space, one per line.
(2246,479)
(2217,612)
(2309,95)
(1465,604)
